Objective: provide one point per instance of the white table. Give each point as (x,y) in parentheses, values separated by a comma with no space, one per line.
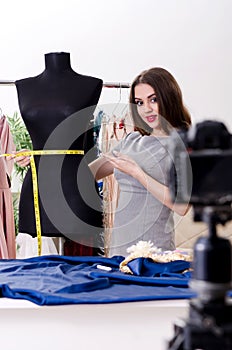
(132,326)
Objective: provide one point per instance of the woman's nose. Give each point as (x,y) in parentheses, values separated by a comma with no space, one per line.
(147,107)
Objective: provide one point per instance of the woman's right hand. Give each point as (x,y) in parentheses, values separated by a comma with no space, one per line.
(21,160)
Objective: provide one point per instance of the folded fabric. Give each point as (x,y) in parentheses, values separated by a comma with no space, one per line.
(147,267)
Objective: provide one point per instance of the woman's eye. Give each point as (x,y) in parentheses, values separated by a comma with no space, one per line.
(154,100)
(139,103)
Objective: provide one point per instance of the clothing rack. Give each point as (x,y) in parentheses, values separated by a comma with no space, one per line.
(116,85)
(7,82)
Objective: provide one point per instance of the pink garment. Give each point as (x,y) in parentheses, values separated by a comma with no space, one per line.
(7,227)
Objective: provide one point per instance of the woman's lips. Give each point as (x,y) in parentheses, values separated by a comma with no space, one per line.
(151,118)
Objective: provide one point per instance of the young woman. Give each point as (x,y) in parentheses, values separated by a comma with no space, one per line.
(141,164)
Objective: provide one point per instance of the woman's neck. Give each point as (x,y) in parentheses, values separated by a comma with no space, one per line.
(57,61)
(158,133)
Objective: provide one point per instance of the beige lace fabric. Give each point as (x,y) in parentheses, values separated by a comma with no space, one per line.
(7,227)
(110,186)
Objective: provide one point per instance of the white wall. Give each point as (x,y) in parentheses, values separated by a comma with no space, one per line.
(116,39)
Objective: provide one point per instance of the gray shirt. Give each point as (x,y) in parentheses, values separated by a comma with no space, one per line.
(139,215)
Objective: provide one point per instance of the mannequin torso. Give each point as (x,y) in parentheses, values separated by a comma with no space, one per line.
(57,107)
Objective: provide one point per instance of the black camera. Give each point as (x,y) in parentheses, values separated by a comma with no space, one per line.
(202,170)
(201,174)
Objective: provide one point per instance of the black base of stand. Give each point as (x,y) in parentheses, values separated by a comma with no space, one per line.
(209,327)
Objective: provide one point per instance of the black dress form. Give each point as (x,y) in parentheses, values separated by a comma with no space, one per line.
(57,108)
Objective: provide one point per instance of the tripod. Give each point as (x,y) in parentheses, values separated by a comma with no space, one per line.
(209,325)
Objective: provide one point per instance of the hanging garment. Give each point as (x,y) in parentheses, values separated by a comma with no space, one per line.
(7,227)
(113,131)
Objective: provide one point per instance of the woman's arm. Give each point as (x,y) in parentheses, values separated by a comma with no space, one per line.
(161,192)
(158,190)
(100,167)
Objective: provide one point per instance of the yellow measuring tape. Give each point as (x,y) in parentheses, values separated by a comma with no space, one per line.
(35,181)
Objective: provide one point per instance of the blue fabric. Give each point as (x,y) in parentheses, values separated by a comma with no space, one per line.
(146,267)
(54,280)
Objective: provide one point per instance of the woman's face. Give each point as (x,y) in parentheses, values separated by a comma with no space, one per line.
(147,106)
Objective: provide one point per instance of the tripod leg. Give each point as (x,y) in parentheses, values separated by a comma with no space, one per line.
(176,343)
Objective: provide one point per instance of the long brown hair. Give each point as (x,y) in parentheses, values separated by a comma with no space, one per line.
(172,111)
